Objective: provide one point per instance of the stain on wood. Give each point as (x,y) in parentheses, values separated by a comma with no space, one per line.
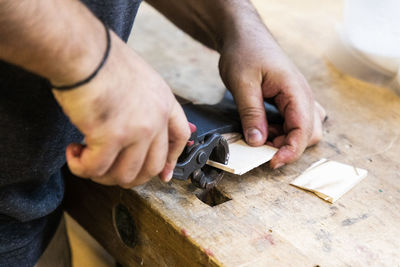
(129,229)
(362,130)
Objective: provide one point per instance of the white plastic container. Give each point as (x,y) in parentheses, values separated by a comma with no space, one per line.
(368,42)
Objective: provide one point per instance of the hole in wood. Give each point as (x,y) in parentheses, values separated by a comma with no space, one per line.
(212,197)
(125,225)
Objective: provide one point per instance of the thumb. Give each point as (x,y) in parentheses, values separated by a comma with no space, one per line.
(251,108)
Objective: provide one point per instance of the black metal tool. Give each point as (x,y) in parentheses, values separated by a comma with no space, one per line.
(192,161)
(207,141)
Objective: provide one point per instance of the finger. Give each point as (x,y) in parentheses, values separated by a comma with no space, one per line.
(321,112)
(178,135)
(292,151)
(90,160)
(319,117)
(274,130)
(127,165)
(251,108)
(279,141)
(294,145)
(155,160)
(297,107)
(269,143)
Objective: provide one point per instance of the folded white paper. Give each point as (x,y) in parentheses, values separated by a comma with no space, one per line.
(329,179)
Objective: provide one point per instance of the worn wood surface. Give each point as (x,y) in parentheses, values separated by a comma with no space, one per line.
(267,222)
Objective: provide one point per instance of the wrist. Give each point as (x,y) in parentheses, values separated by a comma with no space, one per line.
(65,42)
(94,72)
(244,26)
(80,57)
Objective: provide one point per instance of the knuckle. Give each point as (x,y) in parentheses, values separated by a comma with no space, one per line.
(96,174)
(320,111)
(184,135)
(309,131)
(146,129)
(317,136)
(298,81)
(251,113)
(129,185)
(245,80)
(118,136)
(164,107)
(126,177)
(93,171)
(154,170)
(124,180)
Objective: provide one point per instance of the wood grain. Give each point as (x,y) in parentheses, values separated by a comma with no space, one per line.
(157,243)
(267,222)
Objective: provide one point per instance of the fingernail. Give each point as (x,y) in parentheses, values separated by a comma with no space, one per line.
(277,166)
(253,136)
(168,177)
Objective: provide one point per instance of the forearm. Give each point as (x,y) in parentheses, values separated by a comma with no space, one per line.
(215,23)
(57,39)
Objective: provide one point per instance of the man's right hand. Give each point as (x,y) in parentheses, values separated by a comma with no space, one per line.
(133,126)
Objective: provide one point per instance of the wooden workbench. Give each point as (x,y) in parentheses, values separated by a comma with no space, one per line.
(267,222)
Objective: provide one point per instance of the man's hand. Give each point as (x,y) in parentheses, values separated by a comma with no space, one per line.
(254,68)
(134,128)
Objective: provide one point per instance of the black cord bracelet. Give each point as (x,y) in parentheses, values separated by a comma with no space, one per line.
(88,79)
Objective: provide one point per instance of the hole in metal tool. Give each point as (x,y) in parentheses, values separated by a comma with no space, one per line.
(212,197)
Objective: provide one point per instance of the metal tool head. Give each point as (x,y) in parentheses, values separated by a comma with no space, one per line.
(208,177)
(192,162)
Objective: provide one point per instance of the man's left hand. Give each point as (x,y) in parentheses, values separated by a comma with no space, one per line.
(254,68)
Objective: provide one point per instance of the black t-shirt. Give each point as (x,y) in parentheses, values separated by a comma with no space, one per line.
(34,133)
